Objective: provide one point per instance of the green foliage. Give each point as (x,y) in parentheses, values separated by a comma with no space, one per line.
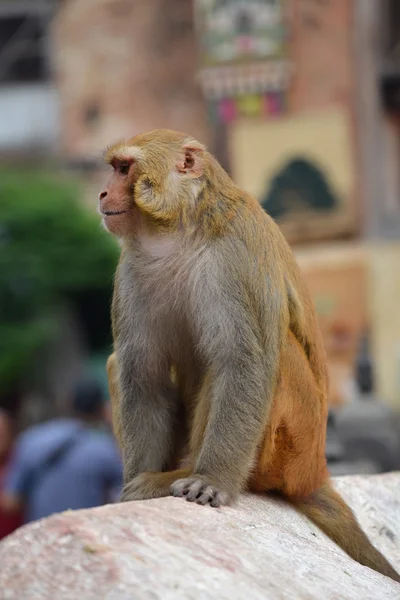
(50,247)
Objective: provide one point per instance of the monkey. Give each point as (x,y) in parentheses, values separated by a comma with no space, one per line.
(218,377)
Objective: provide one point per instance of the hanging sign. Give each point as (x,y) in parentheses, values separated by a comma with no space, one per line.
(244,69)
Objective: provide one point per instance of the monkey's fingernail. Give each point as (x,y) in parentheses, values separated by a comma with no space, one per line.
(203,499)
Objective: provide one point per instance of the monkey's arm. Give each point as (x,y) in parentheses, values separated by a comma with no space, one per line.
(241,347)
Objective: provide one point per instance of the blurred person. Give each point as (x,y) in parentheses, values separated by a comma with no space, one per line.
(9,522)
(66,463)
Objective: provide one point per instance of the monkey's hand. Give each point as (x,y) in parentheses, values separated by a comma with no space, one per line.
(202,490)
(151,485)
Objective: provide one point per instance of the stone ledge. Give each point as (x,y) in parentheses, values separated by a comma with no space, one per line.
(163,549)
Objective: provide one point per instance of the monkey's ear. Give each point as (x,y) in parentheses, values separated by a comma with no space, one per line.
(192,161)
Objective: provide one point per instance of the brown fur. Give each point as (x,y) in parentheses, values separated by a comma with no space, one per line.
(218,355)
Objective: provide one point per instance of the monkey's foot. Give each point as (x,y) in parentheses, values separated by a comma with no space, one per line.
(200,490)
(150,485)
(144,487)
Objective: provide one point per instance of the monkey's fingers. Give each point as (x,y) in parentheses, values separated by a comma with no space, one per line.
(207,496)
(195,490)
(220,499)
(199,491)
(181,487)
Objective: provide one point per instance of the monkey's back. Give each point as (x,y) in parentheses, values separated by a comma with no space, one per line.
(267,241)
(292,454)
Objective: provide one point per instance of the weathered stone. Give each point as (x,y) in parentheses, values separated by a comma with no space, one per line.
(261,549)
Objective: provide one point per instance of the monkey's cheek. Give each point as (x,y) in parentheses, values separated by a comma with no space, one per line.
(115,225)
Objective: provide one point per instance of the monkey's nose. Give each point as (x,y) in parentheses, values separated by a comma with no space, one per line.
(102,195)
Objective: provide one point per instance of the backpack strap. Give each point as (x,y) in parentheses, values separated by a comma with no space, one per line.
(54,458)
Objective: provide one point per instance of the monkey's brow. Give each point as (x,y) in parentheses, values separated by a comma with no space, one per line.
(122,153)
(112,154)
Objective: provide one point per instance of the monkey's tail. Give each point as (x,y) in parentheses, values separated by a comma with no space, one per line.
(327,509)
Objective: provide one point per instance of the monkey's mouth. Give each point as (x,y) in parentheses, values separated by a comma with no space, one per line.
(113,213)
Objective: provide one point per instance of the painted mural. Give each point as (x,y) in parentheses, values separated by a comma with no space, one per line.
(301,170)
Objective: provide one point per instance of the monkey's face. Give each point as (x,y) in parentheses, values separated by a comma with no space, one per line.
(116,201)
(156,176)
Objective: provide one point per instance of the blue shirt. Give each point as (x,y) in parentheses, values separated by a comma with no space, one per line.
(85,476)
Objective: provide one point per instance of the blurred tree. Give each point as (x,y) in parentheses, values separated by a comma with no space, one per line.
(52,250)
(299,183)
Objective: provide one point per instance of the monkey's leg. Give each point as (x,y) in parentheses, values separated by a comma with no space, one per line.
(157,484)
(145,485)
(291,456)
(176,392)
(179,438)
(297,464)
(153,485)
(113,388)
(149,408)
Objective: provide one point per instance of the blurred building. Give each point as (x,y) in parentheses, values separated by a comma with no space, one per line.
(320,149)
(305,116)
(28,96)
(124,67)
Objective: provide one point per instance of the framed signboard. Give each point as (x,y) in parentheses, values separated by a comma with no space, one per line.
(244,69)
(240,31)
(301,169)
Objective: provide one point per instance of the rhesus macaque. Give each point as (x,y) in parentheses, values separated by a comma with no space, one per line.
(215,339)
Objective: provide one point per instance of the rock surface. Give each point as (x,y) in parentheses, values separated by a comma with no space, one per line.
(163,549)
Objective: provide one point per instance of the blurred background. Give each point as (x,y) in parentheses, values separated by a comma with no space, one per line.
(300,102)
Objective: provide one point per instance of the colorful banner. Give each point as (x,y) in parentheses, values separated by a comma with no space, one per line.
(267,105)
(237,31)
(244,70)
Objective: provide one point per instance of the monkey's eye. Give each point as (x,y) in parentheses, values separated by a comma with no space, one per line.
(123,169)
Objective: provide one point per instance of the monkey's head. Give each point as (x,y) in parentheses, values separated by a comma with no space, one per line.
(156,176)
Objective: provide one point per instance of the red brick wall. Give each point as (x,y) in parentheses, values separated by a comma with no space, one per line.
(322,46)
(124,67)
(135,64)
